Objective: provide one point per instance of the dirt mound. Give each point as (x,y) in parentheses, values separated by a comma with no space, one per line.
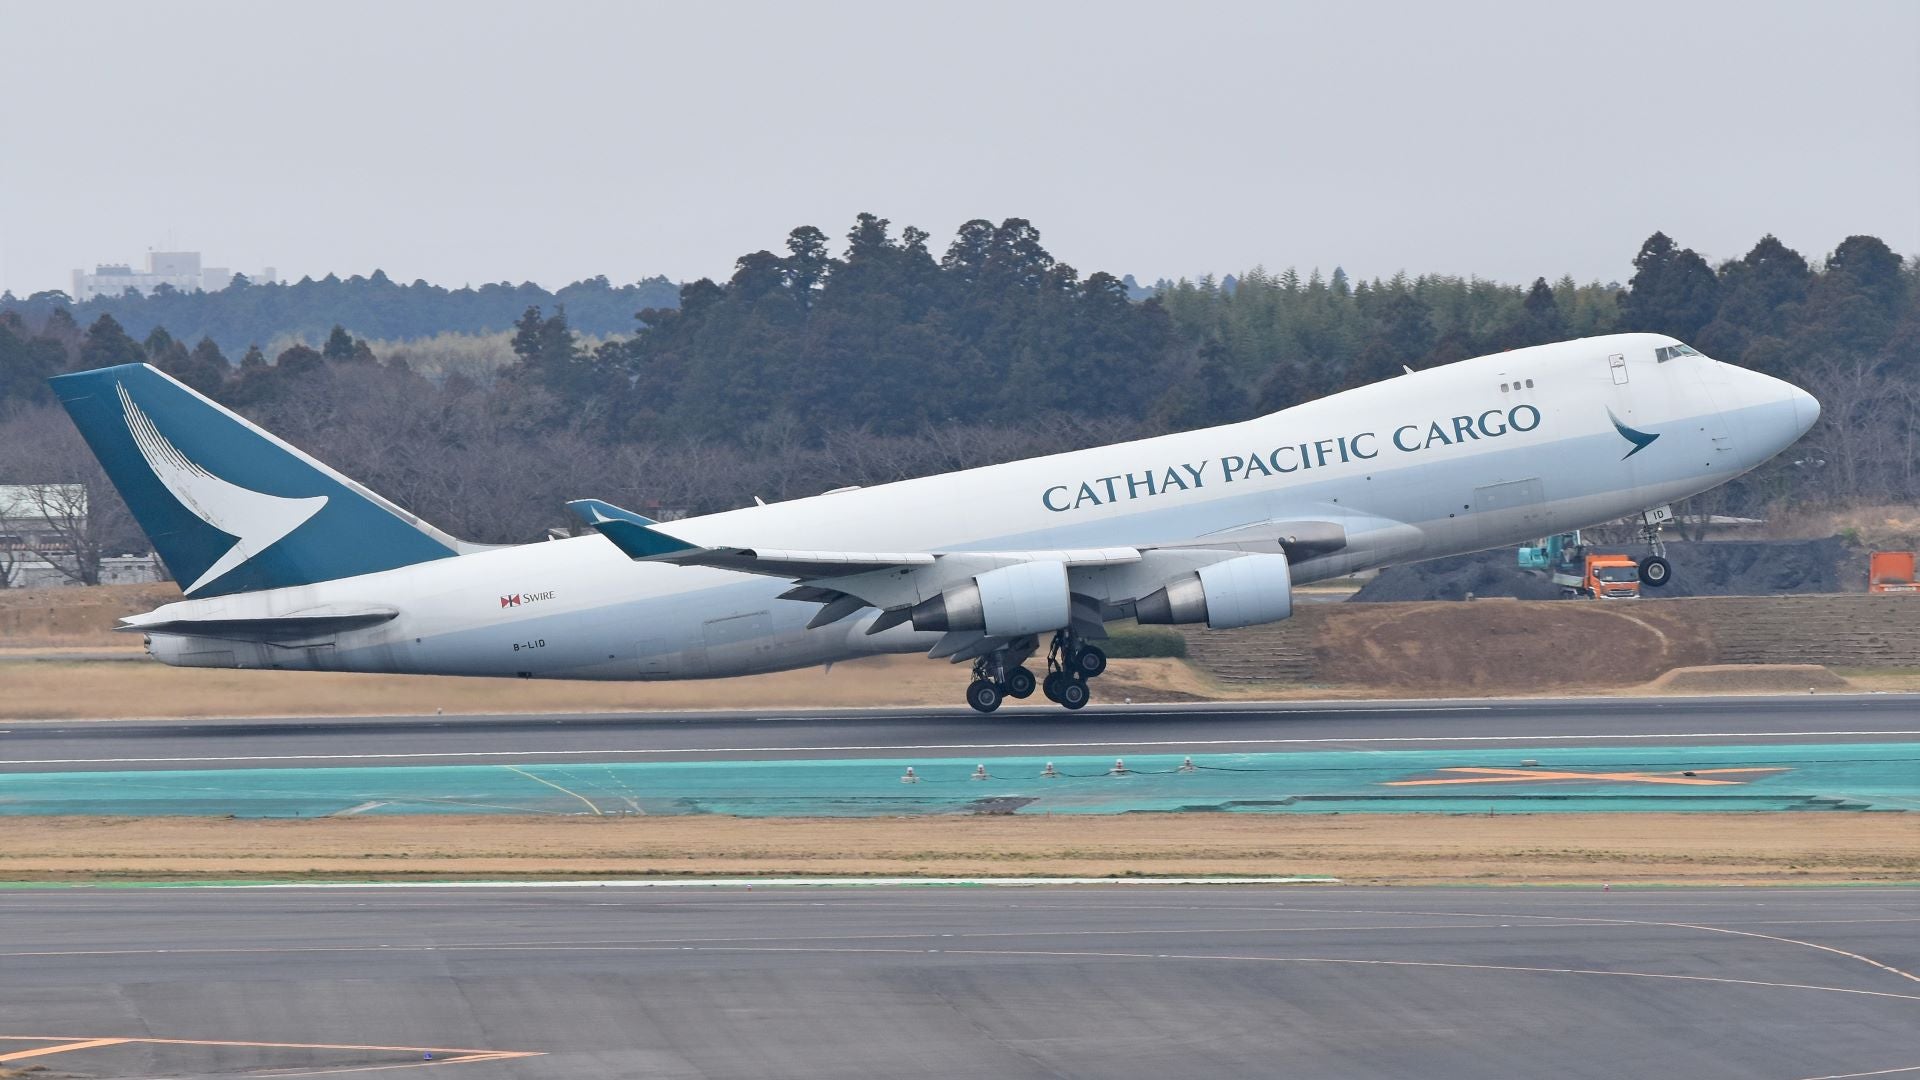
(1748,679)
(74,615)
(1499,647)
(1708,568)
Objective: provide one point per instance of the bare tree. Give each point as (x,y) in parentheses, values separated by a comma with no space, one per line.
(9,562)
(81,516)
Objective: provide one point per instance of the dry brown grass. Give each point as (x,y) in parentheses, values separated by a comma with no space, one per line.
(59,690)
(1382,849)
(47,690)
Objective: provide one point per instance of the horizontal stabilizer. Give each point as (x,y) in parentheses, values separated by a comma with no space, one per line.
(299,624)
(632,534)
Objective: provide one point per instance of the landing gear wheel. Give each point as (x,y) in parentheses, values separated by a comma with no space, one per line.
(1020,683)
(1051,686)
(1089,662)
(984,695)
(1073,693)
(1655,572)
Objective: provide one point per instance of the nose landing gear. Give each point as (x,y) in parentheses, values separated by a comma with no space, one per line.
(1655,570)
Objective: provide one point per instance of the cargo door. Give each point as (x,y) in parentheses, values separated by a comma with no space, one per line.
(1515,510)
(733,643)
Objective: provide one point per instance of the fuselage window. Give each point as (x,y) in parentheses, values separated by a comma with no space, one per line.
(1503,388)
(1529,384)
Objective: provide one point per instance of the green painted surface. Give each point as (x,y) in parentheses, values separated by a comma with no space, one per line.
(1851,776)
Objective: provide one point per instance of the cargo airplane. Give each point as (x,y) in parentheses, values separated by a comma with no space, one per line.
(287,564)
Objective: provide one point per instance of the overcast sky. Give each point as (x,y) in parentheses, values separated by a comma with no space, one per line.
(470,142)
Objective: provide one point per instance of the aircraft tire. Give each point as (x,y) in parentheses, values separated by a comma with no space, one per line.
(1020,683)
(983,695)
(1051,685)
(1089,662)
(1655,572)
(1073,693)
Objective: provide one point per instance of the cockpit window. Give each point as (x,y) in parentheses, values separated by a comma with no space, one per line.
(1673,352)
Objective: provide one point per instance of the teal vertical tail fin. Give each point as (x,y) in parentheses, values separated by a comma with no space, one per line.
(228,506)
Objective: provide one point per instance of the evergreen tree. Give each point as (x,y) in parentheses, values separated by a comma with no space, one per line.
(107,345)
(339,344)
(206,369)
(807,263)
(1673,290)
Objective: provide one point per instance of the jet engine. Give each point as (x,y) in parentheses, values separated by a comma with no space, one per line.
(1242,591)
(1025,598)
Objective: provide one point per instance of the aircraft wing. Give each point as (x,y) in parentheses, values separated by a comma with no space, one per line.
(1101,581)
(641,539)
(845,582)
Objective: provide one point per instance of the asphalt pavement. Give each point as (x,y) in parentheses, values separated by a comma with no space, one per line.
(1099,981)
(67,745)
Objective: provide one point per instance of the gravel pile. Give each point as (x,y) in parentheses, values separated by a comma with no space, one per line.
(1710,568)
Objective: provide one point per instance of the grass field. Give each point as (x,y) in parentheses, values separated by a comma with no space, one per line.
(1385,849)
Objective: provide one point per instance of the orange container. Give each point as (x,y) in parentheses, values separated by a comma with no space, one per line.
(1890,568)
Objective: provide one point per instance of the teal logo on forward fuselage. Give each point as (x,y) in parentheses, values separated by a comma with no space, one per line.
(1640,439)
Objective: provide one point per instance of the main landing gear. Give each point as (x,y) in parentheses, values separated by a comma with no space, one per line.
(1071,662)
(995,680)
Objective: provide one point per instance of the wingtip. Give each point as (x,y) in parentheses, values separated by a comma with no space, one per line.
(599,512)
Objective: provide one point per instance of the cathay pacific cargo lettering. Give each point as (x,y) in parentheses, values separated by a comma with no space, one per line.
(288,564)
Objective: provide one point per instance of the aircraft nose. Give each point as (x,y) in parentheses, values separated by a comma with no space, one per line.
(1774,413)
(1806,408)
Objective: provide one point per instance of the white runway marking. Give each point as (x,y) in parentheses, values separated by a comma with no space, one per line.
(1170,745)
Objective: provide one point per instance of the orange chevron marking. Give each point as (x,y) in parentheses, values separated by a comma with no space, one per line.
(42,1051)
(452,1055)
(1698,777)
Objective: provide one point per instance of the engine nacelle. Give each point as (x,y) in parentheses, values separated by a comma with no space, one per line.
(1243,591)
(1025,598)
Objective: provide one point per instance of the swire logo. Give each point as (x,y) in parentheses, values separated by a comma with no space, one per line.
(525,598)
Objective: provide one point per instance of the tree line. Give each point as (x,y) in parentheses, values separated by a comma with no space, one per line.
(375,307)
(811,369)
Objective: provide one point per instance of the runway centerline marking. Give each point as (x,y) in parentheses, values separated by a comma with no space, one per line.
(1171,744)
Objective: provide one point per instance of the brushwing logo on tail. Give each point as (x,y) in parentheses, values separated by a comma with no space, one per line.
(254,519)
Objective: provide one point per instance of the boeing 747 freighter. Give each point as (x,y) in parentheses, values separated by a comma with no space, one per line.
(287,564)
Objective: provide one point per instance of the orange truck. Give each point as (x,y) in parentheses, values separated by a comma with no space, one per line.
(1599,577)
(1579,570)
(1891,572)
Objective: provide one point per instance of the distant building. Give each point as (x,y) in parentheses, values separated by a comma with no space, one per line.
(30,543)
(24,527)
(177,269)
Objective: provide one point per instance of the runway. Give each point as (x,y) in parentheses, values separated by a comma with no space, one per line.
(1098,981)
(1039,732)
(1851,753)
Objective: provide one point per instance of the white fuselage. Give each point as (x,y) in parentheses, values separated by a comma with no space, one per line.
(1478,454)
